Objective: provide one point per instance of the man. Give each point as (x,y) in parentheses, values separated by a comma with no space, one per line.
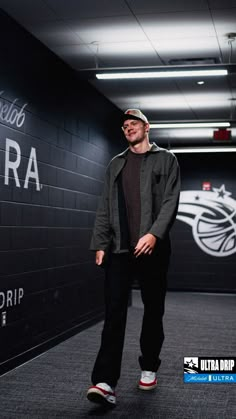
(136,211)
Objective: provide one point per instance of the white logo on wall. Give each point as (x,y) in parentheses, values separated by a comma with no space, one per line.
(11,166)
(212,216)
(10,114)
(9,298)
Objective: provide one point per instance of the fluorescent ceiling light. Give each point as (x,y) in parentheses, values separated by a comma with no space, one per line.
(191,125)
(204,150)
(161,74)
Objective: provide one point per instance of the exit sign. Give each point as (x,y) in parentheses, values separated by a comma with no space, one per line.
(222,135)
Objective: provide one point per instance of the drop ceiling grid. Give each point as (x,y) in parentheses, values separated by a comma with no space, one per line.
(155,29)
(135,33)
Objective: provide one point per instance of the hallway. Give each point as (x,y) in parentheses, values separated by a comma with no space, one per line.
(54,384)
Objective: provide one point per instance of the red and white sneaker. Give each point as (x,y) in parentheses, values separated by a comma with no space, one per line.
(103,394)
(148,380)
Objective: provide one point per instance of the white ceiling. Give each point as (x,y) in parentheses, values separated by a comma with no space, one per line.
(139,33)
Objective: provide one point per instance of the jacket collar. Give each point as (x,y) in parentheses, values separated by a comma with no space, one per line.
(154,149)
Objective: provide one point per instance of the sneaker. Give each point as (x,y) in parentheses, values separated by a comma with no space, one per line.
(103,394)
(148,380)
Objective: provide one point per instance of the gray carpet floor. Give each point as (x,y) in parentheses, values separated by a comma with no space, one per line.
(54,385)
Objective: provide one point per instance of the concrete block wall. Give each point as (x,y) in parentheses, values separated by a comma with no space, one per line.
(57,134)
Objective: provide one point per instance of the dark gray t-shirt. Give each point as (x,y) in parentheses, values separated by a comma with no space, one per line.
(131,188)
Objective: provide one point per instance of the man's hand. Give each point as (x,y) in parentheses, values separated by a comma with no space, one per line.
(99,257)
(145,245)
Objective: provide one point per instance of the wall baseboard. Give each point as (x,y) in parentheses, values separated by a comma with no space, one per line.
(39,349)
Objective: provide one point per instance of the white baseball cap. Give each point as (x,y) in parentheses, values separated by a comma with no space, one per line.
(134,114)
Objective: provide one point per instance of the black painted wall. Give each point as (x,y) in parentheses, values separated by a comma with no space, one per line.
(211,268)
(57,135)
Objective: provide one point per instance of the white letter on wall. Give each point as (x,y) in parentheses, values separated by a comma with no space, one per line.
(13,165)
(32,174)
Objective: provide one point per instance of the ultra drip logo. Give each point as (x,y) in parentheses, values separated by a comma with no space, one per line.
(212,216)
(8,299)
(209,370)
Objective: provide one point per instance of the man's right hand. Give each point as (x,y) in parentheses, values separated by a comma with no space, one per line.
(99,257)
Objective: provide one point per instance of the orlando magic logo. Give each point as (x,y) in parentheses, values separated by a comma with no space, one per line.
(212,216)
(191,365)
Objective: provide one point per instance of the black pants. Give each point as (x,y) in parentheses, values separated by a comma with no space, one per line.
(121,269)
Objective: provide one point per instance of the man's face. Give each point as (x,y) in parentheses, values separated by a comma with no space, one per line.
(135,131)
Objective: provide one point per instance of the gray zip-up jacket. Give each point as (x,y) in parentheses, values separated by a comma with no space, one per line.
(159,190)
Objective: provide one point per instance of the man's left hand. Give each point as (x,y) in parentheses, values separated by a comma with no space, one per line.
(145,245)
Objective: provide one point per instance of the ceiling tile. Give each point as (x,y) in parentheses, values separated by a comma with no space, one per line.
(203,100)
(88,8)
(115,29)
(219,4)
(80,62)
(27,10)
(53,33)
(79,57)
(177,25)
(160,98)
(128,54)
(169,115)
(210,113)
(153,6)
(134,88)
(187,48)
(211,85)
(224,21)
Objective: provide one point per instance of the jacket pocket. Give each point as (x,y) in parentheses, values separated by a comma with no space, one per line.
(158,183)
